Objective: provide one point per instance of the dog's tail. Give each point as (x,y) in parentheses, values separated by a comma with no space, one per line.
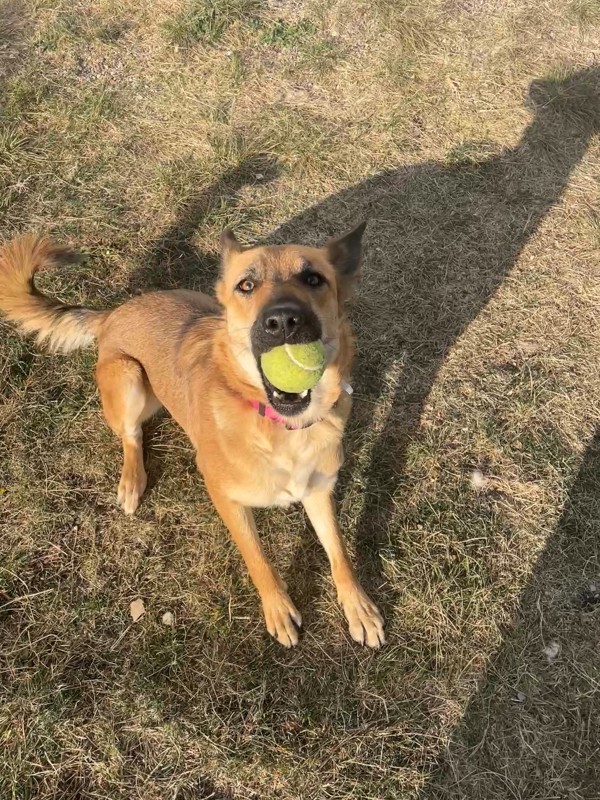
(61,327)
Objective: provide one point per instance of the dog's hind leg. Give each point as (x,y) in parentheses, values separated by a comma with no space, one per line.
(127,400)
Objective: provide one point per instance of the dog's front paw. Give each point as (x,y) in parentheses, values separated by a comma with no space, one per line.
(131,488)
(364,618)
(282,617)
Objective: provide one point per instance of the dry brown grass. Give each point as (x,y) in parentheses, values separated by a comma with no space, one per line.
(467,131)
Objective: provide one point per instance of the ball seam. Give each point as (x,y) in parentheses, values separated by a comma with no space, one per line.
(298,363)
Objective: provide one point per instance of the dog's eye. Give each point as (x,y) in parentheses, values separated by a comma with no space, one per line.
(313,279)
(246,286)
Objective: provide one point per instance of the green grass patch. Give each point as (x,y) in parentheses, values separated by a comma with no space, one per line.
(314,52)
(289,34)
(206,21)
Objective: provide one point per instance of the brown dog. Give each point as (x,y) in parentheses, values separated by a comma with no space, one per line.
(200,359)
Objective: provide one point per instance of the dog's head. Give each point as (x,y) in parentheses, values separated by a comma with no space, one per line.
(294,294)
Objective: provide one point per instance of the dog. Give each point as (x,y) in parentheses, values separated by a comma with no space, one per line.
(199,357)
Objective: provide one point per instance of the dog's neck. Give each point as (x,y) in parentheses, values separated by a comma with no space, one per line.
(268,412)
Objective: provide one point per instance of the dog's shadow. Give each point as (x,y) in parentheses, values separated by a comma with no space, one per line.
(441,238)
(173,261)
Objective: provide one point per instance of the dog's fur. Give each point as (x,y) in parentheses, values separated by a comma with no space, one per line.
(200,359)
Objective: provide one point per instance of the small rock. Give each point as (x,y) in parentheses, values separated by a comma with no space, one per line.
(478,480)
(552,650)
(168,619)
(589,597)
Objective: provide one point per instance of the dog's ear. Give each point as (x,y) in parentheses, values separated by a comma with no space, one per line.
(229,245)
(345,254)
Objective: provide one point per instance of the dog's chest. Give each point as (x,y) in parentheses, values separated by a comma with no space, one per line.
(295,475)
(296,466)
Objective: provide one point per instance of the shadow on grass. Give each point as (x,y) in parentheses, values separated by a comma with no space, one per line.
(12,27)
(543,685)
(441,239)
(173,261)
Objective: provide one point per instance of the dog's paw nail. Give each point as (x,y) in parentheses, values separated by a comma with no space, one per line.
(297,618)
(130,493)
(364,619)
(282,619)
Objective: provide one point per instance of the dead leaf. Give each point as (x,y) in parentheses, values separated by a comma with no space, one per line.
(137,609)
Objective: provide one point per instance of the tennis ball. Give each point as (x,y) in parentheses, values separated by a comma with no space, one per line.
(294,368)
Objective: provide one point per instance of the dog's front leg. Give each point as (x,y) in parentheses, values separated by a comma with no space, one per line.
(364,619)
(281,616)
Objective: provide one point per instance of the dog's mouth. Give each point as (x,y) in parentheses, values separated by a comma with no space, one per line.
(287,404)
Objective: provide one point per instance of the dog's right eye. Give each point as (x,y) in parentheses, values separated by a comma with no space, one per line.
(246,286)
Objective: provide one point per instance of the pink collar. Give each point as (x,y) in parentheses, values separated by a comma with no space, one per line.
(269,412)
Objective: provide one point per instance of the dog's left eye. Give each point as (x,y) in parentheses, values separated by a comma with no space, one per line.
(313,279)
(246,286)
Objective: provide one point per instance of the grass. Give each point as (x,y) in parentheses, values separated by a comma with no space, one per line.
(467,132)
(206,21)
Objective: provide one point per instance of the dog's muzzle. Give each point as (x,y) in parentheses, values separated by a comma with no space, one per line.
(284,321)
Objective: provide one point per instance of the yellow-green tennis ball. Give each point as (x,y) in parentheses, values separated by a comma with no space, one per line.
(294,368)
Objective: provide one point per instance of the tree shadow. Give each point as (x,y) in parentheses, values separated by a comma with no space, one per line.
(533,728)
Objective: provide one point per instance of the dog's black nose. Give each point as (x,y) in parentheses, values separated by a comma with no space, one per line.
(283,319)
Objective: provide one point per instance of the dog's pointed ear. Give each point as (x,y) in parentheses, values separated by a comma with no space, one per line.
(345,254)
(229,245)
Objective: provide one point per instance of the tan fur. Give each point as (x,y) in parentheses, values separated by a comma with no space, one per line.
(192,355)
(60,327)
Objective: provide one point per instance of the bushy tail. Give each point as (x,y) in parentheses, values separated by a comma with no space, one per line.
(61,327)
